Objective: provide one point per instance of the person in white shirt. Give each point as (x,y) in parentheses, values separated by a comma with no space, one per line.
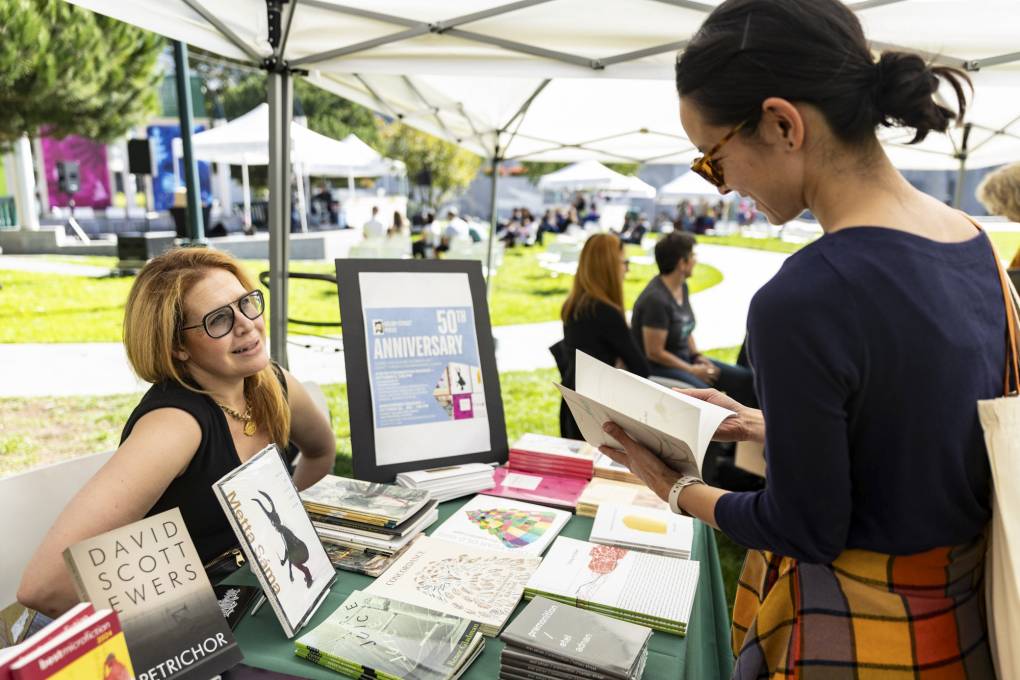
(456,228)
(374,228)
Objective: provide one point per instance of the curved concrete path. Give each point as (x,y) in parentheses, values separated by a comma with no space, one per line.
(63,369)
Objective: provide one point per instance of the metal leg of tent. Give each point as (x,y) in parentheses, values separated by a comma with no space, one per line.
(281,93)
(492,218)
(301,197)
(961,174)
(245,197)
(196,230)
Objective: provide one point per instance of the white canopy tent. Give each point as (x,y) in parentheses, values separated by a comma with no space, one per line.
(593,176)
(688,185)
(563,80)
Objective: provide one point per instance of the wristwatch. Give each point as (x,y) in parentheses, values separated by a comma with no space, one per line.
(674,493)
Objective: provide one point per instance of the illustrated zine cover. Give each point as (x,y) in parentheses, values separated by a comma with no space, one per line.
(150,574)
(94,648)
(341,496)
(376,634)
(279,541)
(503,524)
(482,585)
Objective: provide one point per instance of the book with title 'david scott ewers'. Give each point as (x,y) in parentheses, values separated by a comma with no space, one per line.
(263,507)
(150,573)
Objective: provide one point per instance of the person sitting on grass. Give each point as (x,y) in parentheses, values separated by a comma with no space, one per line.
(593,317)
(663,325)
(193,327)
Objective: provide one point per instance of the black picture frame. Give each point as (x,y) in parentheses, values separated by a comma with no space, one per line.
(359,394)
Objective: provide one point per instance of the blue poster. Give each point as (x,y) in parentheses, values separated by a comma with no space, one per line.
(424,365)
(163,183)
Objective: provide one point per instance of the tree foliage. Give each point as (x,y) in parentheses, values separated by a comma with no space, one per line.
(73,71)
(437,169)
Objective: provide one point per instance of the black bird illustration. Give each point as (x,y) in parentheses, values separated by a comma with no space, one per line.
(295,551)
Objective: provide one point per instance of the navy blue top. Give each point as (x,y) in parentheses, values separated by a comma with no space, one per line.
(871,348)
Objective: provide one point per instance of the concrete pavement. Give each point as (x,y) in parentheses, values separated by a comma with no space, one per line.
(64,369)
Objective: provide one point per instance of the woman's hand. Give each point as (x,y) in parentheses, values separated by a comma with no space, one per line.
(648,467)
(747,425)
(706,373)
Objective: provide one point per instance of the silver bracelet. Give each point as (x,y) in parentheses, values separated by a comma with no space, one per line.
(674,493)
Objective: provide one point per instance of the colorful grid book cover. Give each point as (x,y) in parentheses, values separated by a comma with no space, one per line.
(150,574)
(503,524)
(279,541)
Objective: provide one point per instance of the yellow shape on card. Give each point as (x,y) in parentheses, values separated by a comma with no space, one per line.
(645,524)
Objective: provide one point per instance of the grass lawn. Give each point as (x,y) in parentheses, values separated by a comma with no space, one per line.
(53,308)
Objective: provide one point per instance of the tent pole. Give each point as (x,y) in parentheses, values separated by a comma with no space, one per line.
(245,196)
(492,217)
(302,206)
(196,231)
(961,174)
(281,92)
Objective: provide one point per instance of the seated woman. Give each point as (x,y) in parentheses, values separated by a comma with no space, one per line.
(593,317)
(193,327)
(663,325)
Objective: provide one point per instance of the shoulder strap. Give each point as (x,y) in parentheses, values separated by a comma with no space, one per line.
(1011,384)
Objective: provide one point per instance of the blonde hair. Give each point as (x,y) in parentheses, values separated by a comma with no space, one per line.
(598,277)
(999,192)
(153,319)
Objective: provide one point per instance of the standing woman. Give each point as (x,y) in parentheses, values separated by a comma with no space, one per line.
(193,326)
(593,317)
(870,347)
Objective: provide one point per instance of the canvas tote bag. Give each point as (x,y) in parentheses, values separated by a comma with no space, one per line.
(1000,420)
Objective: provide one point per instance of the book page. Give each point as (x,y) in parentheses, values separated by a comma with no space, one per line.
(650,528)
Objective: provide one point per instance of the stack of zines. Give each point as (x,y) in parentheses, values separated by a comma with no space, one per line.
(638,587)
(369,636)
(547,470)
(601,491)
(551,640)
(649,529)
(452,481)
(372,522)
(607,468)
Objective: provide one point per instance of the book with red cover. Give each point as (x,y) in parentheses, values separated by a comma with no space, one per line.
(559,491)
(72,617)
(93,648)
(542,453)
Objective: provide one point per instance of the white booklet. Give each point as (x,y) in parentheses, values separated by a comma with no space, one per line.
(648,529)
(503,524)
(476,584)
(674,426)
(285,554)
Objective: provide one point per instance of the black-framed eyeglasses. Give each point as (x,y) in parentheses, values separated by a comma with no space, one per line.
(706,165)
(220,321)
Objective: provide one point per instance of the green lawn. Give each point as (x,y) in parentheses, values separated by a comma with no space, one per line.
(54,308)
(1006,243)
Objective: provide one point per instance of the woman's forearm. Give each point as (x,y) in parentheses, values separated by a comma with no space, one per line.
(309,470)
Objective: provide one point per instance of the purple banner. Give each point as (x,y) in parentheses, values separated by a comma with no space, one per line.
(92,169)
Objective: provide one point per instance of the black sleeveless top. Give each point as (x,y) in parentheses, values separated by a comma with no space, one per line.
(215,457)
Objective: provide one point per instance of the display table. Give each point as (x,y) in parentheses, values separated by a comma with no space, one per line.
(703,654)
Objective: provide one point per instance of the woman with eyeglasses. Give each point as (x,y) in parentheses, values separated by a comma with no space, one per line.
(593,317)
(194,328)
(871,347)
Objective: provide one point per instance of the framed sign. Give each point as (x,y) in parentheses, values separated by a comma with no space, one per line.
(422,385)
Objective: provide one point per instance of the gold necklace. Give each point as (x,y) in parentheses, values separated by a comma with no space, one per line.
(249,422)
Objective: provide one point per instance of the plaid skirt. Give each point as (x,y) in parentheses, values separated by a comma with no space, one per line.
(866,615)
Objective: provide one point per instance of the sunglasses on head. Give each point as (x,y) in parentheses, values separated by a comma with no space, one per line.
(706,165)
(220,321)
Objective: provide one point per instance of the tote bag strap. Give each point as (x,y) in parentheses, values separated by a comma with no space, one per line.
(1011,384)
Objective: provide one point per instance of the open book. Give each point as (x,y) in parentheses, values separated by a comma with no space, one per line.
(672,425)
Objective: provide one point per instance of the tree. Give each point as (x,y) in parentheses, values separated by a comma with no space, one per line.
(73,71)
(436,167)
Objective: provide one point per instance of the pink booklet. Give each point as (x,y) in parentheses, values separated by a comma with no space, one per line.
(556,490)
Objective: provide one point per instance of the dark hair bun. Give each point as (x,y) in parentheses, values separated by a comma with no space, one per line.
(904,94)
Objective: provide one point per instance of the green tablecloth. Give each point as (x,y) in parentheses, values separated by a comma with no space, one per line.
(703,655)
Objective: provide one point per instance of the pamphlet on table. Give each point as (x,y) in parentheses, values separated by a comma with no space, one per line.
(672,425)
(650,590)
(150,574)
(649,529)
(503,524)
(263,507)
(449,482)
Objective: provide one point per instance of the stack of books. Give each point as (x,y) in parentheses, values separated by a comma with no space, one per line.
(83,644)
(547,470)
(370,523)
(553,640)
(607,468)
(648,529)
(650,590)
(601,491)
(452,481)
(375,637)
(460,580)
